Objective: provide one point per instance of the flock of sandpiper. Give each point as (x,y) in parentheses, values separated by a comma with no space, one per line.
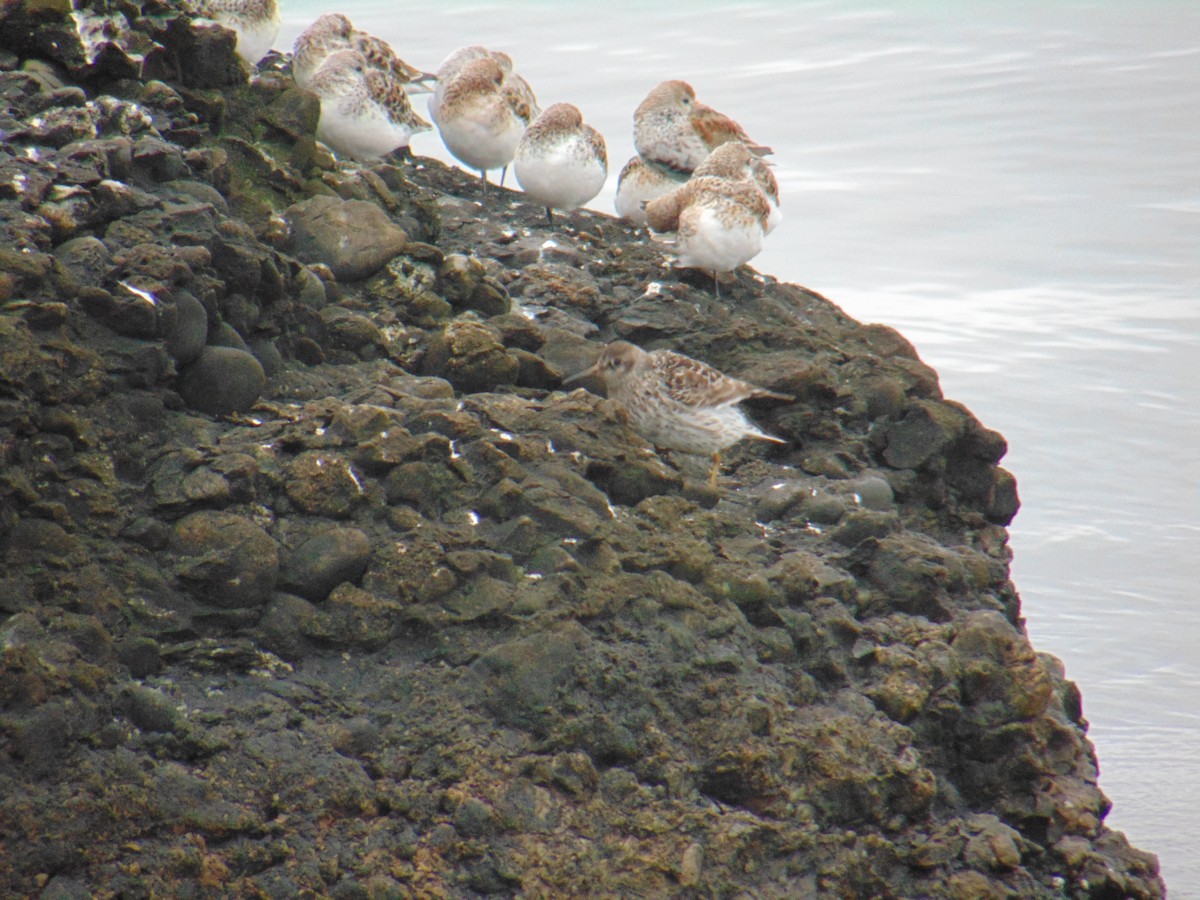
(697,176)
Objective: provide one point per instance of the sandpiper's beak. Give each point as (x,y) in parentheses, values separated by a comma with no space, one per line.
(590,370)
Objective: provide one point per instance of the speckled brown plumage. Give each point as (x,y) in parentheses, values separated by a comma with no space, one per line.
(673,130)
(678,402)
(334,31)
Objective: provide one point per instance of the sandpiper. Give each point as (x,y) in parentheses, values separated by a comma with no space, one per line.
(674,131)
(678,402)
(481,110)
(516,87)
(256,23)
(332,32)
(718,223)
(364,113)
(561,162)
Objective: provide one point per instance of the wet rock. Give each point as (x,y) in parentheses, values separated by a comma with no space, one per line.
(1002,678)
(225,335)
(1002,501)
(42,540)
(874,493)
(184,324)
(519,682)
(326,560)
(295,112)
(115,199)
(324,484)
(354,238)
(575,773)
(212,59)
(222,381)
(140,655)
(926,429)
(59,127)
(527,807)
(479,598)
(158,160)
(44,737)
(904,679)
(471,357)
(410,286)
(286,624)
(352,332)
(863,524)
(25,180)
(87,258)
(429,486)
(994,846)
(912,574)
(225,558)
(353,618)
(149,709)
(129,311)
(562,503)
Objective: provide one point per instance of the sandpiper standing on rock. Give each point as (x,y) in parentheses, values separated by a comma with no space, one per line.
(678,402)
(256,23)
(675,132)
(364,113)
(718,223)
(482,108)
(515,86)
(561,162)
(332,32)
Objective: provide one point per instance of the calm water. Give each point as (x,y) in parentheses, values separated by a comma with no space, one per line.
(1016,188)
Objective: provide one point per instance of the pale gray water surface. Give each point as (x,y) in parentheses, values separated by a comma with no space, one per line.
(1016,188)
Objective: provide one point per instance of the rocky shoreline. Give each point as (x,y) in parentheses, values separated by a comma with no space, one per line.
(317,583)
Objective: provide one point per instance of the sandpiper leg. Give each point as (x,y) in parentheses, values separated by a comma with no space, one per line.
(716,469)
(503,172)
(549,215)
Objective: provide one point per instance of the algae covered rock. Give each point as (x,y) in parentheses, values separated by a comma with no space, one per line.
(1002,677)
(354,238)
(225,558)
(471,357)
(324,484)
